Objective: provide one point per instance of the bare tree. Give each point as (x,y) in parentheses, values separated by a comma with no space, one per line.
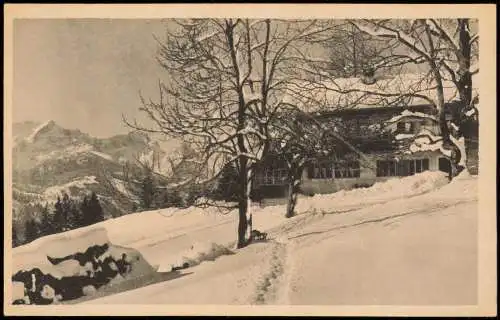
(301,138)
(353,53)
(227,79)
(448,48)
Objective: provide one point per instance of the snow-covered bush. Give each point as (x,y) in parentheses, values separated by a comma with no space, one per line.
(200,252)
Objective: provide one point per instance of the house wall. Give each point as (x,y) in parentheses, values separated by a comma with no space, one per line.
(368,174)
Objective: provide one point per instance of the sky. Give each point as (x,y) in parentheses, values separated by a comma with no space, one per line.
(85,73)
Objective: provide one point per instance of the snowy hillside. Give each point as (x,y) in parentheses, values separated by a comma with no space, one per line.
(21,130)
(42,127)
(49,159)
(365,246)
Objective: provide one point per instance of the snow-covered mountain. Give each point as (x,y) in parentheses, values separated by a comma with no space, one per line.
(48,159)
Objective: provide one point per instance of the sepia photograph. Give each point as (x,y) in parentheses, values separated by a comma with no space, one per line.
(238,160)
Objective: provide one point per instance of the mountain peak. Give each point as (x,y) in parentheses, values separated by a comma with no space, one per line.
(41,128)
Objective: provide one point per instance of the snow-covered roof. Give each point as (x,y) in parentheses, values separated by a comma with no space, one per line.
(407,114)
(409,89)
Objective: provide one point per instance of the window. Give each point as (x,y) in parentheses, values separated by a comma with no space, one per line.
(444,165)
(383,167)
(348,169)
(272,177)
(425,164)
(321,170)
(337,170)
(405,127)
(274,145)
(401,168)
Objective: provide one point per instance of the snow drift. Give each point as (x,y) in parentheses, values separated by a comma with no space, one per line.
(393,188)
(72,264)
(199,252)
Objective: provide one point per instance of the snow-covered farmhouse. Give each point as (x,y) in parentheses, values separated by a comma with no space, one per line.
(386,128)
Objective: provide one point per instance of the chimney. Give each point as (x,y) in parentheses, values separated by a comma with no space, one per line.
(368,75)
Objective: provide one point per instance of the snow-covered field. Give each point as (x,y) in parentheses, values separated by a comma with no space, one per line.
(410,241)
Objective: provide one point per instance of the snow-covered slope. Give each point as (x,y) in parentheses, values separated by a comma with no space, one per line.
(51,193)
(411,251)
(55,159)
(21,130)
(408,251)
(339,249)
(42,127)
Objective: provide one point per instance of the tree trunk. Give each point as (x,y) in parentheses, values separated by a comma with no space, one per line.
(443,124)
(242,222)
(243,203)
(292,200)
(249,204)
(440,105)
(293,190)
(445,133)
(471,134)
(464,87)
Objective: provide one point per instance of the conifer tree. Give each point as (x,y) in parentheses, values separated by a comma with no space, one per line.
(58,222)
(66,208)
(74,215)
(85,212)
(15,240)
(95,209)
(46,223)
(148,190)
(32,230)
